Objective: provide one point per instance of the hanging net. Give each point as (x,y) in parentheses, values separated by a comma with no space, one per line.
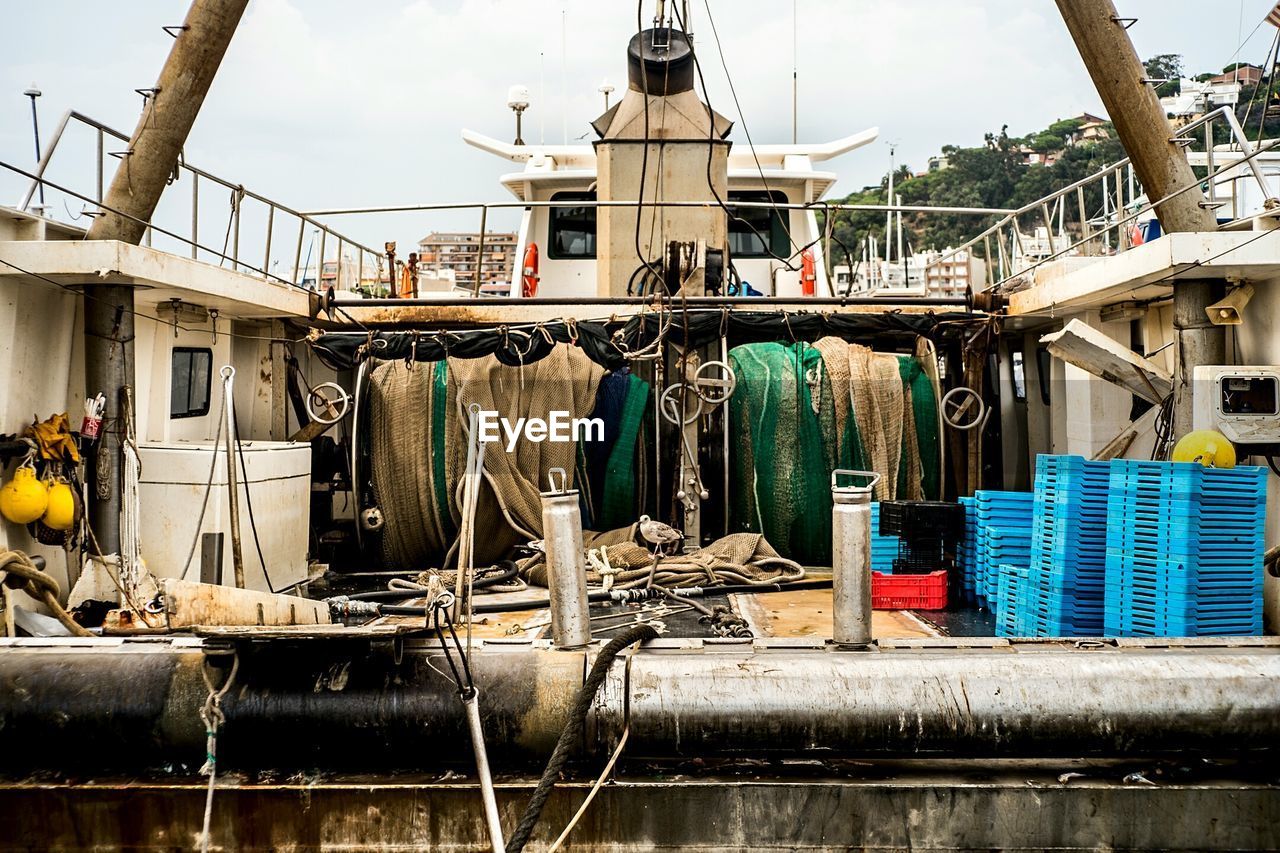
(418,419)
(801,410)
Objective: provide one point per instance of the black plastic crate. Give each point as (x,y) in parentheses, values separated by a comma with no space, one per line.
(922,557)
(919,521)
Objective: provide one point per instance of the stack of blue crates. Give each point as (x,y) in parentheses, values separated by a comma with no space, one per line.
(1184,550)
(1012,585)
(966,557)
(1066,589)
(884,549)
(1003,536)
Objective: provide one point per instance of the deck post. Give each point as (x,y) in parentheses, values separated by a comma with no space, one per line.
(140,179)
(1101,36)
(851,560)
(566,564)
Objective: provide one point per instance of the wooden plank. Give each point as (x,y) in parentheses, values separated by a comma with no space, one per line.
(1092,351)
(807,613)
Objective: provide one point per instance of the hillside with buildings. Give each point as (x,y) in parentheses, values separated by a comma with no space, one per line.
(1008,171)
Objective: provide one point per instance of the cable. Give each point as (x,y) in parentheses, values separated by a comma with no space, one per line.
(1271,463)
(1271,80)
(573,731)
(1258,83)
(742,118)
(248,501)
(208,489)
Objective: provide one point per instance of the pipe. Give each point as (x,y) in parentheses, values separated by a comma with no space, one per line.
(108,360)
(851,560)
(1200,341)
(135,190)
(999,702)
(491,818)
(368,708)
(566,564)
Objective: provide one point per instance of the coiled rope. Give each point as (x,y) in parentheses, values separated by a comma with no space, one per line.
(22,574)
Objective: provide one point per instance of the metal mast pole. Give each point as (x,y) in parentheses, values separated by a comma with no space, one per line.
(141,177)
(1101,37)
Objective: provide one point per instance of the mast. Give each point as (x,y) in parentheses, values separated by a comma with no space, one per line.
(1108,53)
(141,177)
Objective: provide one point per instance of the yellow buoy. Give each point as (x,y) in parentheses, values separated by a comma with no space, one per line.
(61,513)
(24,498)
(1208,447)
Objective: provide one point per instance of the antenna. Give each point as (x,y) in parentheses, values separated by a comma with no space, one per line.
(564,72)
(795,74)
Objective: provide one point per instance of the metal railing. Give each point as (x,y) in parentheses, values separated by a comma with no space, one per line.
(1107,205)
(349,253)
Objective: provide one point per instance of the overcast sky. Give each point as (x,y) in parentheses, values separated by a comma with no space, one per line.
(324,103)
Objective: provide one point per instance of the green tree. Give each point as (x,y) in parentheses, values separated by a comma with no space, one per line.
(1167,67)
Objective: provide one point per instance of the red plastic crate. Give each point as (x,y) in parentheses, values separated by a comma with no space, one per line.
(909,592)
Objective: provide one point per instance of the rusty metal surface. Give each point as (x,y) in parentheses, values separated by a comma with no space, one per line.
(486,312)
(384,704)
(918,806)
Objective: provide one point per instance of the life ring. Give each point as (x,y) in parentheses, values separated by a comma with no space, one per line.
(808,273)
(529,272)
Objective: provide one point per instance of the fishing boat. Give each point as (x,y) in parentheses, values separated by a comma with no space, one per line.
(671,541)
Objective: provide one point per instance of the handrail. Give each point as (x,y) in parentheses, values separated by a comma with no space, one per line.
(239,194)
(771,205)
(1110,221)
(166,232)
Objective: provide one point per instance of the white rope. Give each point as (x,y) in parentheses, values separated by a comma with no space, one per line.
(599,783)
(213,717)
(470,498)
(130,510)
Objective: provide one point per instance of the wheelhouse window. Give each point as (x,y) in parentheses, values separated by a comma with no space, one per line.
(190,379)
(573,229)
(757,232)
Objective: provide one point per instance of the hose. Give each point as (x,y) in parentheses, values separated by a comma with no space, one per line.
(624,595)
(403,589)
(572,733)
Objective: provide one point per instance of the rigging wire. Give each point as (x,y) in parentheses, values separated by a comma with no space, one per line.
(1270,63)
(742,119)
(645,262)
(729,211)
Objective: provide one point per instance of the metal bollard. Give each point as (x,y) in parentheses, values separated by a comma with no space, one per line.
(566,564)
(851,560)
